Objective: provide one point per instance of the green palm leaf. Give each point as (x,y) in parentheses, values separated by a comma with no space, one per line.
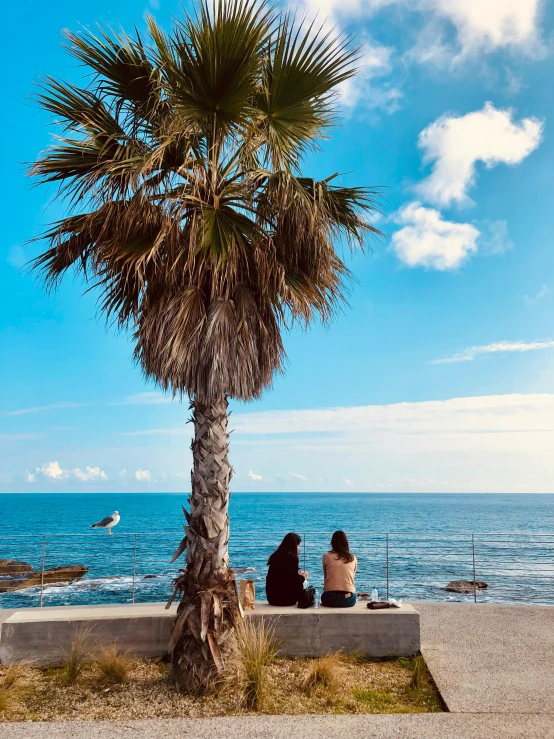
(181,156)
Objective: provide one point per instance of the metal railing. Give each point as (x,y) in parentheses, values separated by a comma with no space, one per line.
(134,567)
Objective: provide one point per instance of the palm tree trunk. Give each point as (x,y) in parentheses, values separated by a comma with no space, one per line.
(209,607)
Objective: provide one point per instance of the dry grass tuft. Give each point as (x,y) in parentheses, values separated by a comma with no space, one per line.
(113,665)
(419,673)
(322,674)
(78,656)
(13,689)
(256,649)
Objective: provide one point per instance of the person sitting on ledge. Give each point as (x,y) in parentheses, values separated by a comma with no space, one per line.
(339,569)
(284,582)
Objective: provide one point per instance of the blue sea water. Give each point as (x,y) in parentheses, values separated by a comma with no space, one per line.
(415,542)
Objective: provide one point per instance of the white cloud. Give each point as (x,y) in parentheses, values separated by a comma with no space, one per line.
(481,414)
(494,237)
(454,144)
(497,443)
(368,88)
(90,474)
(254,476)
(297,476)
(143,475)
(543,292)
(474,352)
(427,240)
(479,25)
(40,408)
(149,398)
(363,89)
(487,25)
(52,470)
(347,481)
(175,431)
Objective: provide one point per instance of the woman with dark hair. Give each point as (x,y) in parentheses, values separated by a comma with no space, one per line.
(339,570)
(284,582)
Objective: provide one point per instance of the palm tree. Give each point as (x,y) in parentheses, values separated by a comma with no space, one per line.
(179,160)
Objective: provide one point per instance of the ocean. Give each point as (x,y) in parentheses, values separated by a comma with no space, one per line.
(415,543)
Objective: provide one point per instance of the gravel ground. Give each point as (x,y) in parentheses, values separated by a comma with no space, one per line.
(350,687)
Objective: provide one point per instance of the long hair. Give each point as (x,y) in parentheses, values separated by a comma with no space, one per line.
(288,548)
(341,547)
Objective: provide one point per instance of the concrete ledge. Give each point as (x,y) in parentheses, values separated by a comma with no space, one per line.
(393,632)
(44,635)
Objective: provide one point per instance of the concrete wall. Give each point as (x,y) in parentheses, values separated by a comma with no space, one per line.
(44,635)
(387,633)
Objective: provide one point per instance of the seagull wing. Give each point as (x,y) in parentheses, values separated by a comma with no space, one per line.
(103,523)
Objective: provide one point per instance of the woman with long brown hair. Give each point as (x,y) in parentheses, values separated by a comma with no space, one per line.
(339,570)
(285,582)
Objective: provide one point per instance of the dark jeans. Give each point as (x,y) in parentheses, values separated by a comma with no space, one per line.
(338,599)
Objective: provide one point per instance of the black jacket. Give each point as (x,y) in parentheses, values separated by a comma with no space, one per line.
(283,583)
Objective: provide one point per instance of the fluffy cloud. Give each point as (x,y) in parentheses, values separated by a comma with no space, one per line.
(487,25)
(367,87)
(53,471)
(296,476)
(454,144)
(254,476)
(484,26)
(143,475)
(474,352)
(427,240)
(90,474)
(494,237)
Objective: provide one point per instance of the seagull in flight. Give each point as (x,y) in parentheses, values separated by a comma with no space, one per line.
(107,523)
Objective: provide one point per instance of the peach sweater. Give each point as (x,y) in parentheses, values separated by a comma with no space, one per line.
(338,575)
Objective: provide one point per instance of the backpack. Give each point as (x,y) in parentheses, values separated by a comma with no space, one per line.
(307,597)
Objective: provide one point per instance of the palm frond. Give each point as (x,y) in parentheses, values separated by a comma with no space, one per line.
(180,159)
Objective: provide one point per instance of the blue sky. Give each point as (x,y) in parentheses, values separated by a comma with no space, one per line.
(439,376)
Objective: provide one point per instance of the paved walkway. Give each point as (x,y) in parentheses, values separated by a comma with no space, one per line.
(494,666)
(490,658)
(413,726)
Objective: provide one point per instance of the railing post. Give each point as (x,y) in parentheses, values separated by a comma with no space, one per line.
(388,567)
(474,578)
(134,566)
(304,542)
(42,570)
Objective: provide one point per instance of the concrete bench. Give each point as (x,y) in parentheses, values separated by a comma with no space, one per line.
(44,635)
(393,632)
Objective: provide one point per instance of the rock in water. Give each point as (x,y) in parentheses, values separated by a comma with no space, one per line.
(465,586)
(13,568)
(57,575)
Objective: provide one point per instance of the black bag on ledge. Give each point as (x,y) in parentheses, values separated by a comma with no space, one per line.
(307,597)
